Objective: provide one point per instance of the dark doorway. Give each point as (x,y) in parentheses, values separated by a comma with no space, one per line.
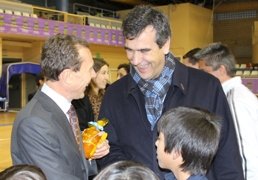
(15,92)
(14,87)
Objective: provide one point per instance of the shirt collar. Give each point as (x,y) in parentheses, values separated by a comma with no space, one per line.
(231,83)
(60,100)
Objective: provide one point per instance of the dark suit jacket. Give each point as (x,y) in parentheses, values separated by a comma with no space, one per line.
(42,136)
(84,111)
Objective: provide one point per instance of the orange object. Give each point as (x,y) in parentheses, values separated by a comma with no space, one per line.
(92,136)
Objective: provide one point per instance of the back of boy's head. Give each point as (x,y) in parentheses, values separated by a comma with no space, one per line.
(126,170)
(23,172)
(194,133)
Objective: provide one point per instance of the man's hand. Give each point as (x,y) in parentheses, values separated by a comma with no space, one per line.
(102,150)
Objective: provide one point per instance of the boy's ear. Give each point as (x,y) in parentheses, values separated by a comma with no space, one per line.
(175,154)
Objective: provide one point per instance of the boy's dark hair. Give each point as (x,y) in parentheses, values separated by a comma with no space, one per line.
(126,170)
(194,133)
(23,171)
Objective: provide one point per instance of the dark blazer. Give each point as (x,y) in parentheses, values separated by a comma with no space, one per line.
(129,131)
(42,136)
(84,111)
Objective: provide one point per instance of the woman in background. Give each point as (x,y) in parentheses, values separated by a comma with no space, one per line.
(87,108)
(97,86)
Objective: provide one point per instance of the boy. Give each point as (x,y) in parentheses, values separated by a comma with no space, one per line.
(188,140)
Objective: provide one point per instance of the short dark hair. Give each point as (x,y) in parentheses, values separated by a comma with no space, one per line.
(61,52)
(190,55)
(217,54)
(128,169)
(142,16)
(23,171)
(194,133)
(125,66)
(39,77)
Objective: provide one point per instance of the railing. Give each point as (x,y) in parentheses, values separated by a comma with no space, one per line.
(89,10)
(22,25)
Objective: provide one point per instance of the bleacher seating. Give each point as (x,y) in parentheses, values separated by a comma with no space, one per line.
(7,11)
(246,70)
(254,73)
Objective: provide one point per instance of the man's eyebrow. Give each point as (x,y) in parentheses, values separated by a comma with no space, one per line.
(127,48)
(143,49)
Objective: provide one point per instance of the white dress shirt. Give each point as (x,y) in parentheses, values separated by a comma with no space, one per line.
(60,100)
(244,107)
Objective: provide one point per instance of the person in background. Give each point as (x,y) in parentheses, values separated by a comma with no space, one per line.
(190,60)
(45,132)
(188,141)
(40,79)
(156,83)
(22,172)
(84,111)
(126,170)
(97,86)
(87,108)
(218,60)
(122,70)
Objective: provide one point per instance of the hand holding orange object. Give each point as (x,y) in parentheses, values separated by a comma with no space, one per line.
(101,150)
(93,136)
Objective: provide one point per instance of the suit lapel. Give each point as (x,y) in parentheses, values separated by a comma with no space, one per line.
(59,118)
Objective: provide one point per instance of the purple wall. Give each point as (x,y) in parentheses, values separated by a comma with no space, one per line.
(20,25)
(251,83)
